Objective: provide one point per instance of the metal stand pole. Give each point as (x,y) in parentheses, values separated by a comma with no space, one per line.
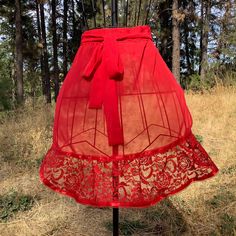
(115,148)
(115,193)
(115,221)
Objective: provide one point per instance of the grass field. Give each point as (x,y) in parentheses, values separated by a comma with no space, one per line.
(207,207)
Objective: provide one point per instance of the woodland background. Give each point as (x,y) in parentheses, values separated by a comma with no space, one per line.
(38,41)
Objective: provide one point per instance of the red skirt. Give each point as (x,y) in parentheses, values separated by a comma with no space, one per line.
(122,130)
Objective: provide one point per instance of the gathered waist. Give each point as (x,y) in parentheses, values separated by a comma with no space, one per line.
(119,34)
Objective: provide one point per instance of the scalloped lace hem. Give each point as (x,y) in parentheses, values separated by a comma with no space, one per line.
(136,182)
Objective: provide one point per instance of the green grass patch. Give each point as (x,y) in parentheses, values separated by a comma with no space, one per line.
(28,163)
(12,203)
(199,138)
(221,199)
(228,225)
(229,170)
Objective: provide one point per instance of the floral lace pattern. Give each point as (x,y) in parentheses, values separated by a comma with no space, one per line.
(136,182)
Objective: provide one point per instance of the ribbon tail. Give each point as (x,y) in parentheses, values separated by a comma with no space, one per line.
(96,95)
(93,63)
(111,110)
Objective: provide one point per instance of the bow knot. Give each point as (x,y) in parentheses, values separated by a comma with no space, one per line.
(108,54)
(111,58)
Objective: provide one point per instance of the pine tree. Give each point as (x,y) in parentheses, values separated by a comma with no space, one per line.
(55,52)
(18,53)
(45,72)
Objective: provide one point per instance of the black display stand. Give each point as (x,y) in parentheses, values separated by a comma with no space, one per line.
(115,179)
(115,221)
(115,148)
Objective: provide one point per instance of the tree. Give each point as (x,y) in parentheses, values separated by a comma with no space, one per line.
(18,53)
(45,72)
(205,27)
(55,53)
(40,45)
(65,40)
(165,39)
(176,41)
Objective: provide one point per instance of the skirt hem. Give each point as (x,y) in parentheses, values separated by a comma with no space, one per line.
(140,182)
(125,205)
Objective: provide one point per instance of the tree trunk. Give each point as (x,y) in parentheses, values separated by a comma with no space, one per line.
(65,40)
(77,27)
(176,42)
(18,54)
(45,55)
(201,35)
(147,14)
(139,10)
(73,17)
(224,31)
(165,31)
(55,53)
(40,43)
(187,53)
(204,38)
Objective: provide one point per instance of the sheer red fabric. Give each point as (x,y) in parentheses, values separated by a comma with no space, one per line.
(122,130)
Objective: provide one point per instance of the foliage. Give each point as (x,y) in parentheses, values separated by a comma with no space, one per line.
(14,202)
(195,83)
(199,138)
(221,199)
(221,40)
(227,226)
(5,79)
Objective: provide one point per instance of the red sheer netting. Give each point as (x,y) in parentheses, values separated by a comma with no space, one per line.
(120,95)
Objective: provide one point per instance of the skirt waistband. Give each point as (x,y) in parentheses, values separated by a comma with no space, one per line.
(98,35)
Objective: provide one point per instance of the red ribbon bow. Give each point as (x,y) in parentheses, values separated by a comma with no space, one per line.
(104,69)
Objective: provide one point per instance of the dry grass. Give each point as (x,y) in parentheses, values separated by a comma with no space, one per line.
(204,208)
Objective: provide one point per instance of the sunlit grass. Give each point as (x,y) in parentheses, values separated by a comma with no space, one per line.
(204,208)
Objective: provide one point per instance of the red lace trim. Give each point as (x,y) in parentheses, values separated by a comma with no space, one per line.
(139,181)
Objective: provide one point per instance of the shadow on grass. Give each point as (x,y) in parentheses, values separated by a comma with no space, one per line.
(161,219)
